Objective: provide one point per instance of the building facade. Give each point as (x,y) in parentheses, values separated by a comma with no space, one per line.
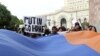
(69,14)
(95,13)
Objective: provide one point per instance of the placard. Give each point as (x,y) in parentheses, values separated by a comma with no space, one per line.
(34,24)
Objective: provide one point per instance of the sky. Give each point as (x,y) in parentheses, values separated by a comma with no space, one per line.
(22,8)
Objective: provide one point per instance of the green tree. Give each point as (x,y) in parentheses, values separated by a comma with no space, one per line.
(14,23)
(5,16)
(21,21)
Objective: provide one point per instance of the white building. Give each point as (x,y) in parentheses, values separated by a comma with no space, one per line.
(72,11)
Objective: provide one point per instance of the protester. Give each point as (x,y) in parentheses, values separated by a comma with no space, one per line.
(62,28)
(85,23)
(92,28)
(46,32)
(35,35)
(77,27)
(23,31)
(86,27)
(20,30)
(54,30)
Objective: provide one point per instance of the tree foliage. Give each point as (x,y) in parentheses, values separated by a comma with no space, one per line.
(14,23)
(5,16)
(21,21)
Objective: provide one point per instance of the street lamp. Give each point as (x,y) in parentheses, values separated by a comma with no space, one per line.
(49,22)
(54,23)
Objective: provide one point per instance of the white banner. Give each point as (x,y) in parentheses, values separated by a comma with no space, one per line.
(34,24)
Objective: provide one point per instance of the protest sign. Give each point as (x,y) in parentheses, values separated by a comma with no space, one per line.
(34,24)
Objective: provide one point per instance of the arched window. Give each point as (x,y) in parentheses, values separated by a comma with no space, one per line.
(63,22)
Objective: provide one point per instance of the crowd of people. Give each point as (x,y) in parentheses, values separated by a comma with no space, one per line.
(61,30)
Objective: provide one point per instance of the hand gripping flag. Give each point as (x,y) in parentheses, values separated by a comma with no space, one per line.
(83,43)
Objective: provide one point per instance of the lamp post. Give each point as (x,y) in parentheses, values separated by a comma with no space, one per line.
(76,14)
(49,22)
(54,23)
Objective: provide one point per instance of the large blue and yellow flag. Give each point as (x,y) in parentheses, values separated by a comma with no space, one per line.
(83,43)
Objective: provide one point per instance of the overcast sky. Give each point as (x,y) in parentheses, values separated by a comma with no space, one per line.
(22,8)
